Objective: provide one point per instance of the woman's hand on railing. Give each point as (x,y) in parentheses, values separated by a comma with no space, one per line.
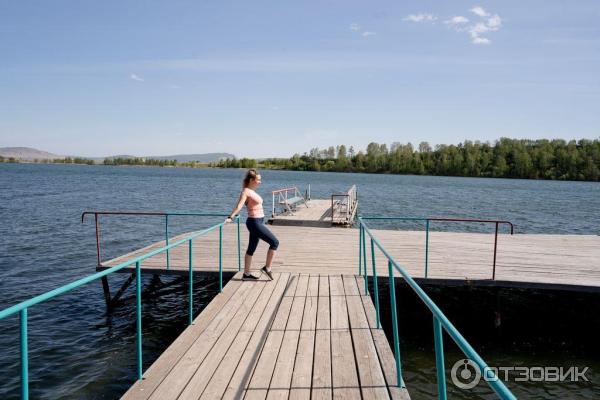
(228,220)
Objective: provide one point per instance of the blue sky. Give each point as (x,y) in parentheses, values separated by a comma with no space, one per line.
(275,78)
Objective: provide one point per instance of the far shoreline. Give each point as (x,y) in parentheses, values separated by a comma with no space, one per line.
(208,166)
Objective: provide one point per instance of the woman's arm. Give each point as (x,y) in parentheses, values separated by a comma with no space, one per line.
(238,207)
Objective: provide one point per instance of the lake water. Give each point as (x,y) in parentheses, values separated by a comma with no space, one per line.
(78,351)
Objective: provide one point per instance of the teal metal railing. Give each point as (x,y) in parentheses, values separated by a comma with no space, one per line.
(439,319)
(428,221)
(22,307)
(165,214)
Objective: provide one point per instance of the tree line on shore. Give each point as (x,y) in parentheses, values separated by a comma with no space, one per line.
(506,158)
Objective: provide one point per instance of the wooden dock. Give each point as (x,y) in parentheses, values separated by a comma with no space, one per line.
(339,210)
(310,333)
(299,336)
(562,261)
(317,214)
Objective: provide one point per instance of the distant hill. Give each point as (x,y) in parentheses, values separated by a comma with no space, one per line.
(181,158)
(30,154)
(27,153)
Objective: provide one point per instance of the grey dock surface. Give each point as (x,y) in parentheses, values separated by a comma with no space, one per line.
(310,333)
(317,214)
(299,336)
(528,260)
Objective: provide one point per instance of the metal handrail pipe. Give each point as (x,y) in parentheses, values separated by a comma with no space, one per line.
(80,282)
(156,213)
(284,190)
(444,219)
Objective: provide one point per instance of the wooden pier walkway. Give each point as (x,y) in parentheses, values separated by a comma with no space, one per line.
(310,333)
(299,336)
(525,260)
(317,214)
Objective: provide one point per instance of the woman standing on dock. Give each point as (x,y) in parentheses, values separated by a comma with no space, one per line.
(255,224)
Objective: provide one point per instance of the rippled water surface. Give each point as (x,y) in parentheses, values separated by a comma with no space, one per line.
(78,351)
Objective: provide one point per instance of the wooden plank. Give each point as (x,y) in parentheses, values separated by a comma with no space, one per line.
(290,290)
(336,286)
(302,287)
(323,286)
(350,287)
(313,286)
(180,374)
(279,387)
(388,365)
(205,371)
(282,314)
(384,351)
(262,374)
(372,382)
(343,367)
(323,314)
(218,382)
(321,379)
(161,367)
(339,312)
(302,375)
(296,314)
(368,305)
(309,319)
(244,369)
(259,384)
(356,313)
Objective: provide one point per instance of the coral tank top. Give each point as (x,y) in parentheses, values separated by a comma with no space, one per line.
(254,204)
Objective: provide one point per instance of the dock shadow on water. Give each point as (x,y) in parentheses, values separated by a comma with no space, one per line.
(89,353)
(508,327)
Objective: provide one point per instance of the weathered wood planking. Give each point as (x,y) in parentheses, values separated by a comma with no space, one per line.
(544,259)
(317,214)
(277,340)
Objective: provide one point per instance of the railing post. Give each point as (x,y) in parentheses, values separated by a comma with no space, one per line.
(332,211)
(495,249)
(97,239)
(138,297)
(360,254)
(364,244)
(221,258)
(239,245)
(439,358)
(375,283)
(24,356)
(167,238)
(426,247)
(395,326)
(191,285)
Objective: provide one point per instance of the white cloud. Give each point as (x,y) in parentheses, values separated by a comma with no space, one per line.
(477,10)
(136,78)
(478,29)
(481,40)
(494,23)
(457,20)
(354,27)
(423,17)
(367,33)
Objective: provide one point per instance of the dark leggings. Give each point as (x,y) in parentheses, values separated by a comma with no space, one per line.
(258,230)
